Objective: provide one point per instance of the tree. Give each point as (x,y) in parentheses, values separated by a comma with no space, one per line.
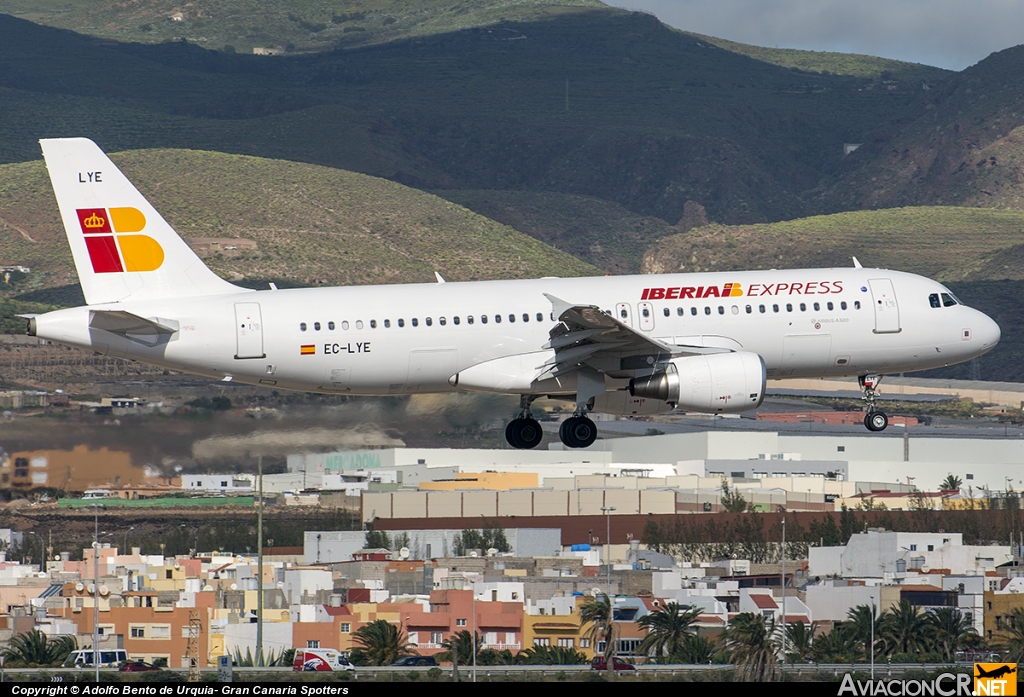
(859,623)
(754,653)
(951,483)
(377,539)
(667,629)
(34,649)
(1014,642)
(598,614)
(906,629)
(553,656)
(381,643)
(697,649)
(458,649)
(950,629)
(732,500)
(841,645)
(799,638)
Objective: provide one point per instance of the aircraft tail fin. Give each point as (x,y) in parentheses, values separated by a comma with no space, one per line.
(123,249)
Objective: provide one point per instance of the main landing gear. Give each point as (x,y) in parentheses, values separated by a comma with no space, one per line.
(577,431)
(874,419)
(524,432)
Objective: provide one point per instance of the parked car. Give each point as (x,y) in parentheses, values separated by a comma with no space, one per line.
(425,661)
(320,659)
(137,667)
(617,663)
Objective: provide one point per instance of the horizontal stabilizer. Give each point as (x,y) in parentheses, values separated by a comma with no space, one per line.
(120,322)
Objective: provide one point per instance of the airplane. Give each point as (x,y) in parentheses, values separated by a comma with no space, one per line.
(630,345)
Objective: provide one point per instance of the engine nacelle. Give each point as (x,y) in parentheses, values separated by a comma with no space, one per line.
(621,402)
(715,383)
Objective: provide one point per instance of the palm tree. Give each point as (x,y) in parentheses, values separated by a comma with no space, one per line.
(841,645)
(553,656)
(798,640)
(459,650)
(950,629)
(754,653)
(906,629)
(381,643)
(951,483)
(1014,642)
(667,629)
(696,649)
(598,614)
(34,649)
(859,623)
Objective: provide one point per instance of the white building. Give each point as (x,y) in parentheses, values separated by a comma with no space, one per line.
(221,484)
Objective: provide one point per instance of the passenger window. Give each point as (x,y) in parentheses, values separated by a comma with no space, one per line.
(646,312)
(429,321)
(842,305)
(401,322)
(455,319)
(803,307)
(469,320)
(947,300)
(749,309)
(415,322)
(497,319)
(736,310)
(511,318)
(789,307)
(623,314)
(359,324)
(483,319)
(830,306)
(679,311)
(667,312)
(442,321)
(933,300)
(302,326)
(387,324)
(316,326)
(707,310)
(721,310)
(526,317)
(761,309)
(553,316)
(693,311)
(817,306)
(540,316)
(330,325)
(775,308)
(373,324)
(856,304)
(344,325)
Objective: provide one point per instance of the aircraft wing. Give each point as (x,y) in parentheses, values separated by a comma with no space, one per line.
(585,335)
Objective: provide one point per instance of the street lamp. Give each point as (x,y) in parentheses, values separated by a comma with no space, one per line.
(124,550)
(607,510)
(96,589)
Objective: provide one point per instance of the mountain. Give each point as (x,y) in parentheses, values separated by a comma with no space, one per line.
(961,143)
(310,224)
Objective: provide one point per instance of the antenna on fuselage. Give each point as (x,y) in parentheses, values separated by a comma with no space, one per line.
(856,264)
(438,277)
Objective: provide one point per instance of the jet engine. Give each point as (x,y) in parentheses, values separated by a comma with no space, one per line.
(714,383)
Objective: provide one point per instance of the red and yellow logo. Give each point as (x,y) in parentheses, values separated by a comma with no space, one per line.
(995,679)
(113,246)
(307,349)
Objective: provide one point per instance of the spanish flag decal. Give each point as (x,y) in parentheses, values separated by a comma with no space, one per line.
(112,246)
(307,349)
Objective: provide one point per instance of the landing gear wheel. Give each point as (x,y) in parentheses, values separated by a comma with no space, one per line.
(876,421)
(523,433)
(577,432)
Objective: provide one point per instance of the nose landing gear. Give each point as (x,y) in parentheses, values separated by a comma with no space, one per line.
(874,419)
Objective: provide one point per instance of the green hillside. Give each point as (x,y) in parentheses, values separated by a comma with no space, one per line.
(854,64)
(289,25)
(312,225)
(941,242)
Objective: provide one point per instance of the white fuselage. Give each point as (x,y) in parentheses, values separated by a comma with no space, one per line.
(402,339)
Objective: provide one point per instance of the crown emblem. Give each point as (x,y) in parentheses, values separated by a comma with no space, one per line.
(94,221)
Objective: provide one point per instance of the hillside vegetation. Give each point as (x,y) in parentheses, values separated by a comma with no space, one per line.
(313,225)
(947,243)
(287,25)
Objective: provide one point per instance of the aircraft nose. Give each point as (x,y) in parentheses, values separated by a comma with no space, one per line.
(986,332)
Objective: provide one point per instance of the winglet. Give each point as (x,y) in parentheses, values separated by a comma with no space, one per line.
(438,277)
(856,264)
(558,305)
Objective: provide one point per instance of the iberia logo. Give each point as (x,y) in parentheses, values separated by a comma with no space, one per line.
(995,679)
(729,290)
(113,246)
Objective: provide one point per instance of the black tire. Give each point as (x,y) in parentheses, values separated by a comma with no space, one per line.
(530,433)
(565,433)
(512,434)
(876,421)
(580,431)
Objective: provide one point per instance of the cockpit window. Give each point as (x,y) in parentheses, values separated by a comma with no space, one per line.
(933,300)
(948,300)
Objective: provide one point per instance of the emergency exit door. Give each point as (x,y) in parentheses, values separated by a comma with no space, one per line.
(248,331)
